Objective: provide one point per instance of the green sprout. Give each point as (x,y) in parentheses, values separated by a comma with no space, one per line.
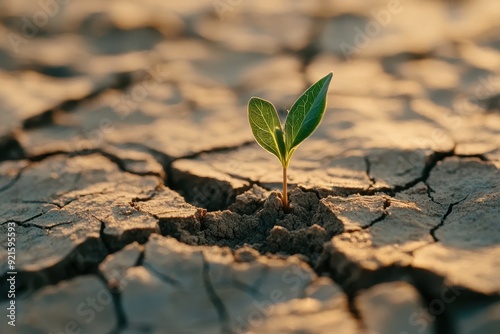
(301,121)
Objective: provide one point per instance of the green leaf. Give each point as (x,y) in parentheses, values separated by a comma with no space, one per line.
(306,114)
(280,138)
(266,127)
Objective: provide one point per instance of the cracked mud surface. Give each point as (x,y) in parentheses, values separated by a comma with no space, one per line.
(141,203)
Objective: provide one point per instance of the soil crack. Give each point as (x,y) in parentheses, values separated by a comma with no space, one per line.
(14,180)
(121,317)
(47,117)
(111,157)
(221,149)
(103,236)
(214,298)
(429,193)
(255,293)
(431,162)
(443,219)
(22,223)
(60,206)
(48,227)
(387,204)
(160,275)
(368,171)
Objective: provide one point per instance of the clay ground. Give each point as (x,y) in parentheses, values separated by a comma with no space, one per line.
(140,202)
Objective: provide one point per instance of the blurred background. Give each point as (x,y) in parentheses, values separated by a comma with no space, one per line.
(176,76)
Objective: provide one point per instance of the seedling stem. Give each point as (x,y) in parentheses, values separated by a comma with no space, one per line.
(285,191)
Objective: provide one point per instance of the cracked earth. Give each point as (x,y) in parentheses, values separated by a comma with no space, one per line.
(141,203)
